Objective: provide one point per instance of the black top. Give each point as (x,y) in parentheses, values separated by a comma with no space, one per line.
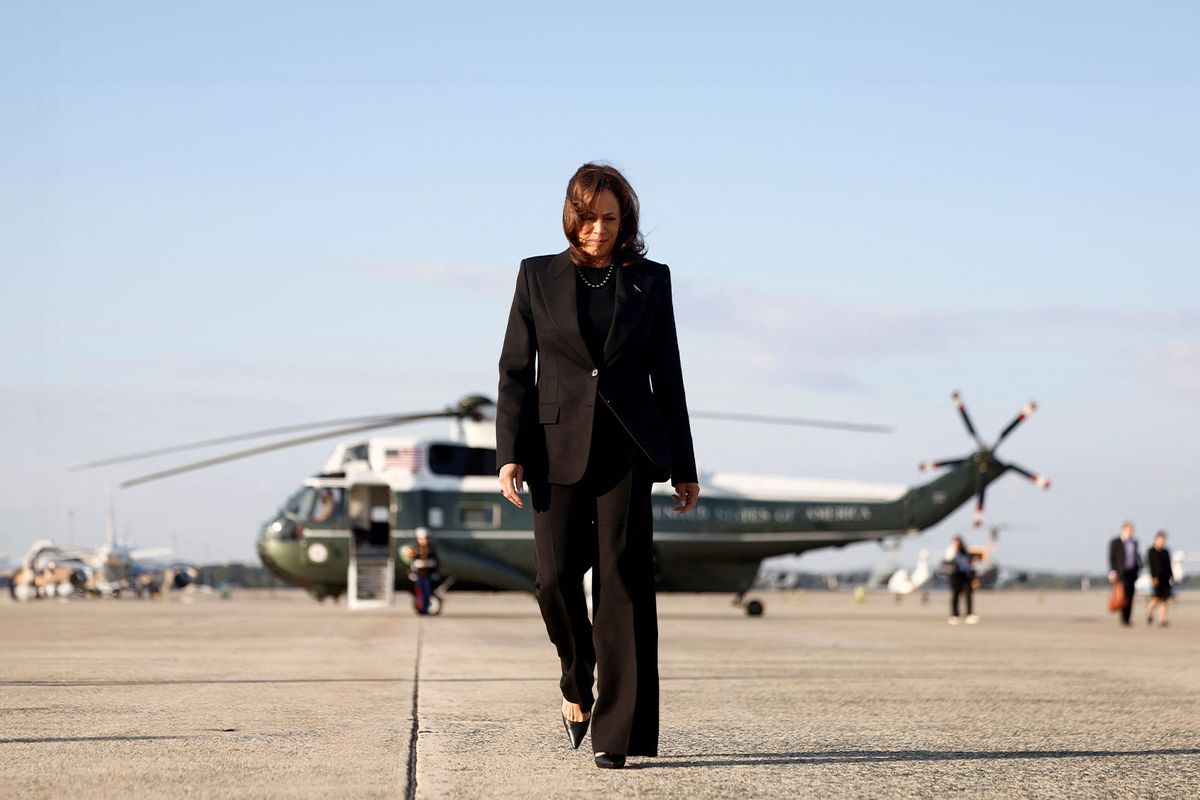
(1160,563)
(595,307)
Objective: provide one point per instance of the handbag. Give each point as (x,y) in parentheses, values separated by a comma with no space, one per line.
(1116,597)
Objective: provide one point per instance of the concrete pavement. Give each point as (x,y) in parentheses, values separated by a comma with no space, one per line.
(273,695)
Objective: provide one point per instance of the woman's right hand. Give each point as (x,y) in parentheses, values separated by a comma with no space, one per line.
(512,477)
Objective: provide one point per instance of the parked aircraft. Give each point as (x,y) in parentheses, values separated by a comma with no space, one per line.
(343,529)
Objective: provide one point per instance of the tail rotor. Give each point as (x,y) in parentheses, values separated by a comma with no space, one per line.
(985,458)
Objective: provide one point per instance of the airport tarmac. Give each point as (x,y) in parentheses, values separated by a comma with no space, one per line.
(271,694)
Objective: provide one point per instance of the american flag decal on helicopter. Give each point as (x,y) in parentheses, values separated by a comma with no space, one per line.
(402,458)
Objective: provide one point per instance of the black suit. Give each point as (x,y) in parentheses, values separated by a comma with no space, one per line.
(546,425)
(1126,569)
(593,438)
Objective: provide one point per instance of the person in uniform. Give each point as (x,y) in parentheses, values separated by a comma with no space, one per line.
(604,418)
(422,571)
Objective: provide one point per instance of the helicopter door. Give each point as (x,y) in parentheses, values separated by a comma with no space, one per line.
(372,577)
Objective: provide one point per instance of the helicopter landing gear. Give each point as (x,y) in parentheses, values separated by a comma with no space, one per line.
(753,608)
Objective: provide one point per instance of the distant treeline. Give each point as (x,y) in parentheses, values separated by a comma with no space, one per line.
(1024,580)
(256,576)
(246,576)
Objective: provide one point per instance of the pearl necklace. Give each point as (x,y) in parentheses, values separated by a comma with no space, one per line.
(607,275)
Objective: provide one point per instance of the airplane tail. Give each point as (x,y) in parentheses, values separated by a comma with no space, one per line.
(921,574)
(111,534)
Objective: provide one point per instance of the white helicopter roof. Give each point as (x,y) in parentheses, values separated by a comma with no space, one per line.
(398,458)
(784,487)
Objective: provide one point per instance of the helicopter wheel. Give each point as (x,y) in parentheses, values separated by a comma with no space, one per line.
(754,608)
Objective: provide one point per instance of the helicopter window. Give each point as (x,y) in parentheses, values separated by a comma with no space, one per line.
(330,505)
(356,453)
(479,515)
(300,502)
(456,459)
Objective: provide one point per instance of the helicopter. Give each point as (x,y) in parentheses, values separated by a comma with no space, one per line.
(345,528)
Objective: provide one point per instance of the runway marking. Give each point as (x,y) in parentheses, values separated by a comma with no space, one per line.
(410,791)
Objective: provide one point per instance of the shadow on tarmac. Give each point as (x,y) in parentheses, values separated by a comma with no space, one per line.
(742,678)
(60,739)
(892,756)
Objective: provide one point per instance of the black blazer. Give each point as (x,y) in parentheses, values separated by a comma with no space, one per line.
(545,425)
(1160,564)
(1116,556)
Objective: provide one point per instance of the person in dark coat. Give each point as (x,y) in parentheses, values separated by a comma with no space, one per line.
(962,581)
(604,420)
(1158,558)
(1124,564)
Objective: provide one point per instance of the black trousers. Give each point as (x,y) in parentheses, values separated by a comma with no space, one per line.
(1129,578)
(961,583)
(603,523)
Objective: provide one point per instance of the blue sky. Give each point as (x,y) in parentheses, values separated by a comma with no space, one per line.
(215,217)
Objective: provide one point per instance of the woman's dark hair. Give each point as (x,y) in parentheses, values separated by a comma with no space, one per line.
(959,545)
(589,181)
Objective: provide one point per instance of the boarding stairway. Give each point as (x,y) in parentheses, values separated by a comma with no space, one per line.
(371,578)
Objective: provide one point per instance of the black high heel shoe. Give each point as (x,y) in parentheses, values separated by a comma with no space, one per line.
(576,730)
(610,760)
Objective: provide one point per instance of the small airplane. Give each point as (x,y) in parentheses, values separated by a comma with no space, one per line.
(343,530)
(896,579)
(48,570)
(902,582)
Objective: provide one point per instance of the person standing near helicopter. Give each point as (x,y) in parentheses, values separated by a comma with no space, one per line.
(422,571)
(962,580)
(604,420)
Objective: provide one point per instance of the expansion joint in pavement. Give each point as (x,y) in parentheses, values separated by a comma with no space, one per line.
(410,790)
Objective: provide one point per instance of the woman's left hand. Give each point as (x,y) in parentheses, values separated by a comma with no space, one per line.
(686,494)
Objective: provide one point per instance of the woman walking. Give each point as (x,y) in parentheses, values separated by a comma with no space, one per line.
(962,580)
(1161,578)
(591,436)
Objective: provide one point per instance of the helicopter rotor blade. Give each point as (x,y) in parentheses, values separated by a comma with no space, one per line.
(861,427)
(1023,415)
(236,437)
(926,466)
(966,418)
(266,448)
(1041,480)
